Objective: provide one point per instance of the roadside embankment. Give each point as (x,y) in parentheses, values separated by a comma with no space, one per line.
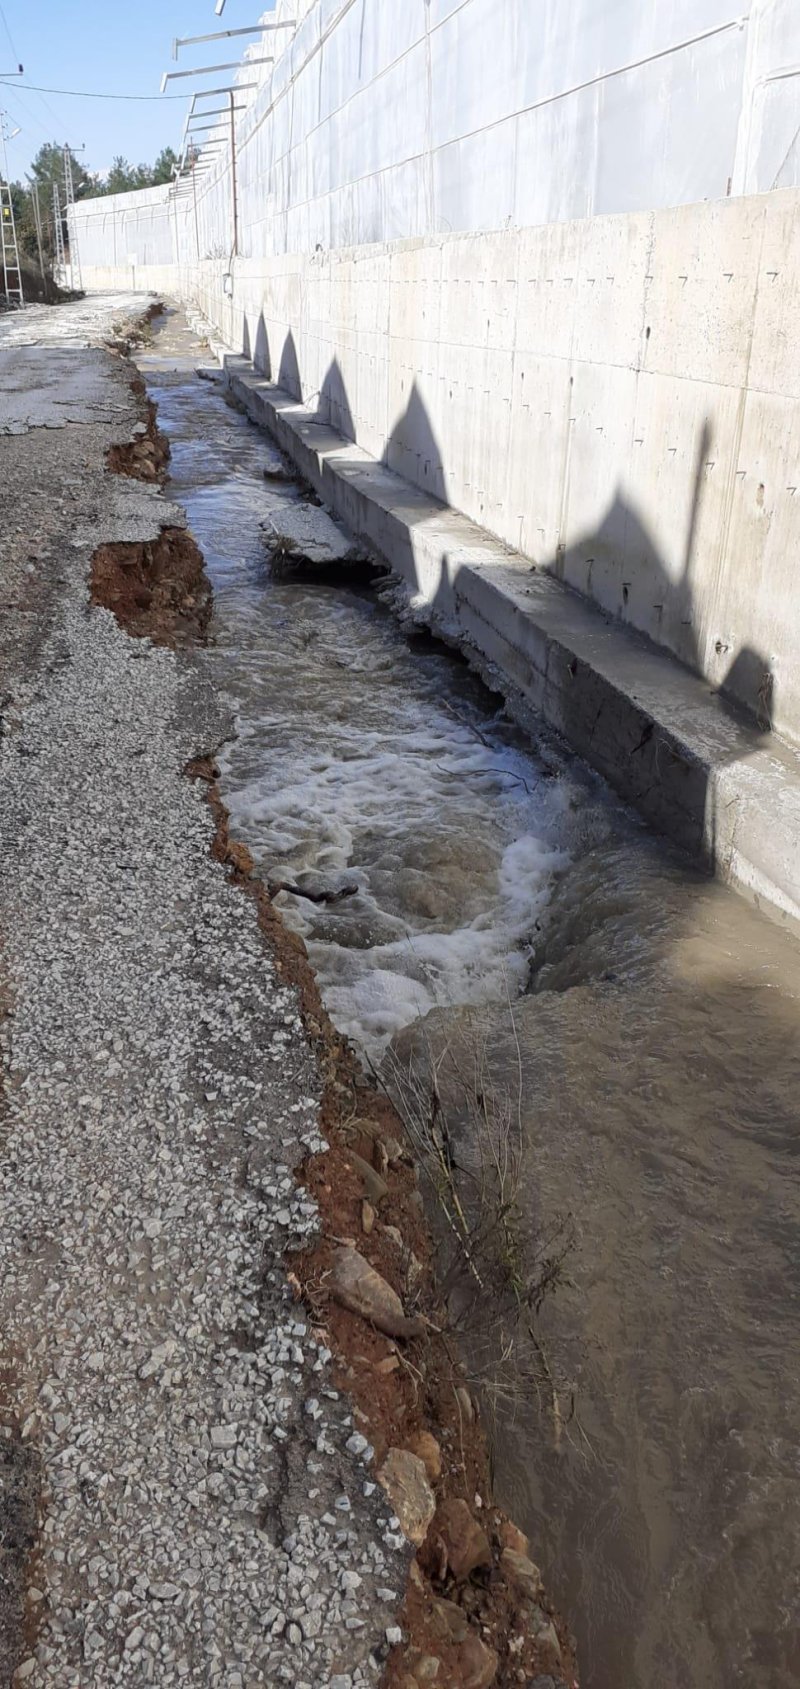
(223,1360)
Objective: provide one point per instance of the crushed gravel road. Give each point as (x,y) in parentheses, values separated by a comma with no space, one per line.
(184,1496)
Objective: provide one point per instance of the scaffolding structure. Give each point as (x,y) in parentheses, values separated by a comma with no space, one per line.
(59,259)
(9,248)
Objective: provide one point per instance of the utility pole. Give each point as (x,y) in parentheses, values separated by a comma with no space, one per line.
(194,197)
(69,201)
(234,197)
(9,249)
(37,222)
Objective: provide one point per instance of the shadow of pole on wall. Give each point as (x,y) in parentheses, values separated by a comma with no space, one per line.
(619,566)
(413,450)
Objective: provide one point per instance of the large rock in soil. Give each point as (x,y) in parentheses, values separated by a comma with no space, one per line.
(465,1543)
(405,1481)
(522,1574)
(357,1286)
(477,1664)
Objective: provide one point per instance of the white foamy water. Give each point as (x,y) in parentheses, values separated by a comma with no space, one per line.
(451,877)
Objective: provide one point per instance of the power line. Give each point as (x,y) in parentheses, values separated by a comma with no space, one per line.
(4,22)
(39,92)
(46,106)
(28,116)
(84,94)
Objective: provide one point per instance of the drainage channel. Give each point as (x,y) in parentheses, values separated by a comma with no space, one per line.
(462,891)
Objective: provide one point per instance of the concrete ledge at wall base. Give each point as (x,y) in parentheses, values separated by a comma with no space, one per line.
(724,789)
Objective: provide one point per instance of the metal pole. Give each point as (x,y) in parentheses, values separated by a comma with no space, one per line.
(210,111)
(194,195)
(233,183)
(208,70)
(58,238)
(74,250)
(37,218)
(225,34)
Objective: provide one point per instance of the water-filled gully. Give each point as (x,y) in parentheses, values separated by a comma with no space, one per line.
(656,1027)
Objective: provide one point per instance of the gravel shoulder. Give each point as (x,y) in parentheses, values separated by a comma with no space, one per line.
(201,1517)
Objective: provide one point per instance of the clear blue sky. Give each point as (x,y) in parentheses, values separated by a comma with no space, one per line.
(106,47)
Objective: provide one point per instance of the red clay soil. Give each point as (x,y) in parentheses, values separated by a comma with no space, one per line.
(157,589)
(401,1390)
(487,1627)
(146,457)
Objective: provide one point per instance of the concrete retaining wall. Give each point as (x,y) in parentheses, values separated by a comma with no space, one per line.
(724,789)
(127,232)
(382,120)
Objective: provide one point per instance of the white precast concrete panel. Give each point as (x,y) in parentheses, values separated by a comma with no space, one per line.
(384,119)
(768,154)
(109,228)
(671,125)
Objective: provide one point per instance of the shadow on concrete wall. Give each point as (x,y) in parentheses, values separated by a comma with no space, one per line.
(258,349)
(261,357)
(675,794)
(413,450)
(618,565)
(333,404)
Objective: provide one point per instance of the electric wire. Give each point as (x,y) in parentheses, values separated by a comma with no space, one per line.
(87,94)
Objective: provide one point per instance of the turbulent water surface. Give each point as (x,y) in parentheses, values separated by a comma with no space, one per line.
(658,1032)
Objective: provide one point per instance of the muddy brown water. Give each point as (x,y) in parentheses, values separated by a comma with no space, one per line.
(657,1021)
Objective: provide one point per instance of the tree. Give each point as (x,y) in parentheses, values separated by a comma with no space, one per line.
(123,177)
(47,170)
(118,180)
(48,167)
(24,221)
(164,166)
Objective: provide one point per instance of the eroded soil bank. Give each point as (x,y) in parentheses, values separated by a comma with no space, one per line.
(475,1612)
(650,1067)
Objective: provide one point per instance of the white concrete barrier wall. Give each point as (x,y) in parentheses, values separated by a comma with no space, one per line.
(614,395)
(386,119)
(126,232)
(381,120)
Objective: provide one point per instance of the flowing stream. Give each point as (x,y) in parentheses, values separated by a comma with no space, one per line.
(656,1028)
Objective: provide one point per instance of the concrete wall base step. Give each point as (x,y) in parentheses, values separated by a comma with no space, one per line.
(715,784)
